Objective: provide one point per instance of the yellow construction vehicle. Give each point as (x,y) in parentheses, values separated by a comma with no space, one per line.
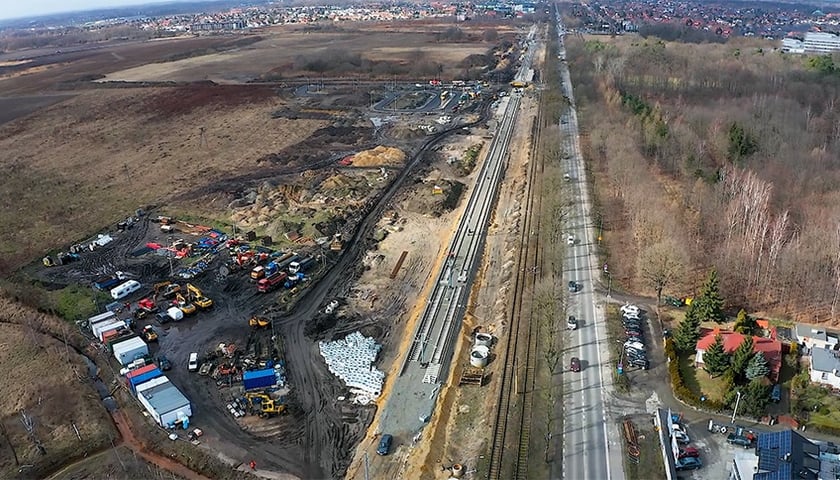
(185,306)
(265,405)
(198,297)
(260,322)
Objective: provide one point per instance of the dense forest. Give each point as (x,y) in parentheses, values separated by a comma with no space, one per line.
(721,156)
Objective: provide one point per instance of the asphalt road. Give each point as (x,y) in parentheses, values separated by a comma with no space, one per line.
(589,438)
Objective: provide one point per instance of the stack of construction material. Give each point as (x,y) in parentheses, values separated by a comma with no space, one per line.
(350,359)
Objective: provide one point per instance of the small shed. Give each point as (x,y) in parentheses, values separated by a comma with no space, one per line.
(142,378)
(130,350)
(165,403)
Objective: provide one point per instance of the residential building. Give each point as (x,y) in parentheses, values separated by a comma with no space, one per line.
(825,367)
(811,336)
(770,348)
(779,456)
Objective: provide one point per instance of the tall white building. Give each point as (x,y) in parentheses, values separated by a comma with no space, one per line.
(821,42)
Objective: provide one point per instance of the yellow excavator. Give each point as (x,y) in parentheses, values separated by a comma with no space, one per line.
(198,297)
(259,322)
(265,405)
(185,306)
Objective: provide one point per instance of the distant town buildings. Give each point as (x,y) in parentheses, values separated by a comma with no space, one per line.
(813,42)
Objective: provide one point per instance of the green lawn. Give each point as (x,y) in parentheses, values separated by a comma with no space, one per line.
(698,381)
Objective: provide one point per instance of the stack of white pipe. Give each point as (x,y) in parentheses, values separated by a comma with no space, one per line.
(351,360)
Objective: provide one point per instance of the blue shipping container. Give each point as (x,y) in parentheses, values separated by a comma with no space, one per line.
(133,382)
(259,378)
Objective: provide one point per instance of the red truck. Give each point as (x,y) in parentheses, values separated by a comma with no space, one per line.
(268,283)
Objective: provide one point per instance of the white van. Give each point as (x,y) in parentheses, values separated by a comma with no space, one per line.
(124,289)
(193,365)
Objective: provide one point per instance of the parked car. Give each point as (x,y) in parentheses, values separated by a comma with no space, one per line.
(634,354)
(688,452)
(628,308)
(630,332)
(163,363)
(384,447)
(575,364)
(745,441)
(634,344)
(162,317)
(642,363)
(681,437)
(193,364)
(688,463)
(572,323)
(776,393)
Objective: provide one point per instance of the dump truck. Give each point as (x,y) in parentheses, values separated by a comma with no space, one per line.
(301,266)
(267,284)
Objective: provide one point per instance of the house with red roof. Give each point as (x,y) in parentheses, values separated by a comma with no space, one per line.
(771,348)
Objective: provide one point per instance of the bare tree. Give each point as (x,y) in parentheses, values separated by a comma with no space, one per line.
(29,425)
(660,264)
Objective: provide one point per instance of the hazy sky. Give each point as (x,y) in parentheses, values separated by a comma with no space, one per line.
(32,8)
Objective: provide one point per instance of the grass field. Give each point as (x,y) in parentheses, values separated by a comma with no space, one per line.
(650,463)
(699,382)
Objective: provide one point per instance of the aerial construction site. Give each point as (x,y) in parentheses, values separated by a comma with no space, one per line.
(255,264)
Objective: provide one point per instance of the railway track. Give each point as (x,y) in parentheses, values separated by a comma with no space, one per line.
(512,426)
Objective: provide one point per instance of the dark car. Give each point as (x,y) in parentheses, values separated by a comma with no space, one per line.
(632,332)
(162,317)
(745,441)
(384,447)
(688,463)
(688,452)
(574,286)
(163,363)
(575,364)
(632,323)
(776,393)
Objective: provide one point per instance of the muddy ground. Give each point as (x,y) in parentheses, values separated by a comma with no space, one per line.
(211,147)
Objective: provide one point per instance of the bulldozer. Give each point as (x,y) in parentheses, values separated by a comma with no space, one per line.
(264,405)
(195,294)
(259,322)
(149,334)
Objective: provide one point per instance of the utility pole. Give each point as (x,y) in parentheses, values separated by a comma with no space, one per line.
(169,254)
(737,401)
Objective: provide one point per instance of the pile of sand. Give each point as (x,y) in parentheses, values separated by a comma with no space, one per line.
(379,156)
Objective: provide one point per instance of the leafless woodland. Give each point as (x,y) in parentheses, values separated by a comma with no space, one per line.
(678,198)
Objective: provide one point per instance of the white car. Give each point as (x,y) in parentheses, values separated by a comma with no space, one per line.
(570,240)
(634,345)
(629,309)
(193,365)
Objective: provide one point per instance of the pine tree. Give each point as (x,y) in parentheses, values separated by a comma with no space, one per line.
(710,303)
(758,367)
(754,399)
(745,324)
(741,357)
(688,331)
(715,358)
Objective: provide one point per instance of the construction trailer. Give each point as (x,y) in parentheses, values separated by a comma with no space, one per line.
(253,379)
(102,317)
(142,378)
(130,350)
(100,328)
(164,402)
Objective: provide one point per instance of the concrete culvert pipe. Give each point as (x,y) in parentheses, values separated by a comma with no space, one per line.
(479,356)
(457,470)
(483,339)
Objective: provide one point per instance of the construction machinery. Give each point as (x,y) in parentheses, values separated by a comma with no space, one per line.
(259,322)
(185,306)
(264,405)
(149,334)
(197,297)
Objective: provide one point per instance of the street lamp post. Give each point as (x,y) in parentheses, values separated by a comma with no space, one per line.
(737,400)
(169,254)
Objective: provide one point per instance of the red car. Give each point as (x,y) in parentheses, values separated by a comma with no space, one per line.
(688,452)
(575,366)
